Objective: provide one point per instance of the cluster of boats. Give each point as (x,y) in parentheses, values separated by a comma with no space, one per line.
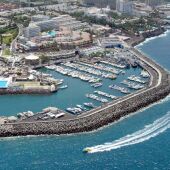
(79,108)
(89,69)
(50,115)
(45,77)
(133,85)
(25,114)
(102,67)
(121,89)
(136,79)
(97,98)
(74,74)
(74,110)
(105,94)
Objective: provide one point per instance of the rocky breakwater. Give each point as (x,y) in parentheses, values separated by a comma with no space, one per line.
(154,33)
(138,39)
(159,88)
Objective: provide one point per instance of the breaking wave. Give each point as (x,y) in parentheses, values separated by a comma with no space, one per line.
(152,38)
(157,127)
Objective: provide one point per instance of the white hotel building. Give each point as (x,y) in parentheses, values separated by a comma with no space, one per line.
(133,8)
(124,6)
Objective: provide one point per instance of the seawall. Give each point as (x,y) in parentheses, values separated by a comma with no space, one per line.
(23,91)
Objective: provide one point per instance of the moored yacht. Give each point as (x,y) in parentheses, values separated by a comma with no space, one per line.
(90,105)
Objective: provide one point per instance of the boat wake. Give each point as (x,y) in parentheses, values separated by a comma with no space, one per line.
(157,127)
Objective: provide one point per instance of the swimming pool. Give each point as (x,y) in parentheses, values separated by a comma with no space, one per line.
(52,33)
(3,84)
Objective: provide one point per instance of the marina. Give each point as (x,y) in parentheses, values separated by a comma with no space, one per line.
(97,76)
(78,106)
(74,74)
(69,80)
(90,70)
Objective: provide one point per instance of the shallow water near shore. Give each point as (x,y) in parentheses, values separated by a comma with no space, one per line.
(65,152)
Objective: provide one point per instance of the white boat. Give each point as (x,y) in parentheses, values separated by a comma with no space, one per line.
(81,107)
(74,110)
(95,85)
(63,87)
(91,105)
(87,150)
(144,74)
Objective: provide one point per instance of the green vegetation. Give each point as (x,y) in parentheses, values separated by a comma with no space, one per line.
(137,26)
(21,19)
(130,26)
(7,39)
(6,52)
(97,54)
(44,59)
(91,19)
(8,34)
(116,16)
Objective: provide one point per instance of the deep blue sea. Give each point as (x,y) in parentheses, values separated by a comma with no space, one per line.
(128,144)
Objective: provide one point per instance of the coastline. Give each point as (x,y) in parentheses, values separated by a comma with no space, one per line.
(149,35)
(146,40)
(98,120)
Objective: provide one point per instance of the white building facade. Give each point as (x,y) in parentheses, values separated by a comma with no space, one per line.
(32,31)
(124,6)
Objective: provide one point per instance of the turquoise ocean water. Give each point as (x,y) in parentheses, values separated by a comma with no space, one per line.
(149,150)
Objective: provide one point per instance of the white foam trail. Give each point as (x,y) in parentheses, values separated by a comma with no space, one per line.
(157,127)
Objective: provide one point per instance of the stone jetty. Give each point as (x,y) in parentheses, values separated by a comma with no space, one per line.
(159,88)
